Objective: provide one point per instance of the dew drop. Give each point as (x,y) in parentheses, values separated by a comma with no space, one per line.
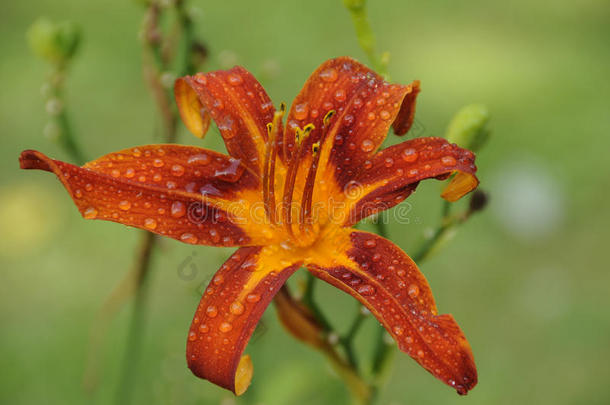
(235,80)
(225,327)
(88,187)
(409,155)
(177,170)
(78,193)
(157,177)
(200,158)
(253,298)
(150,223)
(90,213)
(367,145)
(376,257)
(192,336)
(115,173)
(214,235)
(370,243)
(211,311)
(371,116)
(399,330)
(301,111)
(178,210)
(412,172)
(237,308)
(226,127)
(420,353)
(329,75)
(188,238)
(137,152)
(203,328)
(129,173)
(389,162)
(413,291)
(409,339)
(158,163)
(384,114)
(366,290)
(124,205)
(340,95)
(448,160)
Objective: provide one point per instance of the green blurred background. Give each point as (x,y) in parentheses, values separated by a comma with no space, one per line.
(527,280)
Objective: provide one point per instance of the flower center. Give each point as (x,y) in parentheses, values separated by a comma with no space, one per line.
(293,214)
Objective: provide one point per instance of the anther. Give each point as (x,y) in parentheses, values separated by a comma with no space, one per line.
(328,116)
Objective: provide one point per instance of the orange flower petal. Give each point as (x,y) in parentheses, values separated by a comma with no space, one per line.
(228,312)
(406,115)
(238,104)
(384,279)
(394,173)
(177,191)
(364,104)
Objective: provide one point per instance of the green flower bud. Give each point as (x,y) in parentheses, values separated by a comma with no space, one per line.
(54,42)
(468,127)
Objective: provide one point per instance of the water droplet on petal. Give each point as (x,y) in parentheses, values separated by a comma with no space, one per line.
(409,155)
(177,170)
(90,213)
(235,80)
(389,162)
(178,209)
(237,308)
(200,158)
(188,238)
(448,161)
(370,243)
(366,290)
(211,311)
(301,111)
(399,330)
(124,205)
(367,145)
(129,173)
(413,291)
(137,152)
(115,173)
(384,114)
(225,327)
(78,193)
(253,298)
(340,95)
(329,75)
(150,223)
(420,353)
(203,328)
(158,163)
(371,116)
(192,336)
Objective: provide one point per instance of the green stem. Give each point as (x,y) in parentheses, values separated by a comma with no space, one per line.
(134,337)
(365,35)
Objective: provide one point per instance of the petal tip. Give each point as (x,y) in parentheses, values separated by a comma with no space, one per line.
(243,375)
(31,159)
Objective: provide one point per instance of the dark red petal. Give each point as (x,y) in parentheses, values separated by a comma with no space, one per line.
(228,312)
(394,173)
(170,190)
(406,115)
(384,279)
(365,106)
(238,104)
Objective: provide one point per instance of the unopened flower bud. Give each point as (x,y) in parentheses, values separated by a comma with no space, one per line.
(54,42)
(468,127)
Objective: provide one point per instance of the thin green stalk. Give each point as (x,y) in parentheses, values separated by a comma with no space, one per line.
(365,35)
(134,337)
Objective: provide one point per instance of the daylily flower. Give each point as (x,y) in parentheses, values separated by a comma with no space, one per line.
(287,197)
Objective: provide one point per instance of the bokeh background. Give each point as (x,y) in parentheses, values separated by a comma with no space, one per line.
(528,279)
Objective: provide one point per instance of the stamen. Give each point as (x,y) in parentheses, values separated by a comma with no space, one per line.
(269,168)
(307,200)
(300,137)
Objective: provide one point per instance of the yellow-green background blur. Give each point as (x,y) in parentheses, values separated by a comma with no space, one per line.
(528,280)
